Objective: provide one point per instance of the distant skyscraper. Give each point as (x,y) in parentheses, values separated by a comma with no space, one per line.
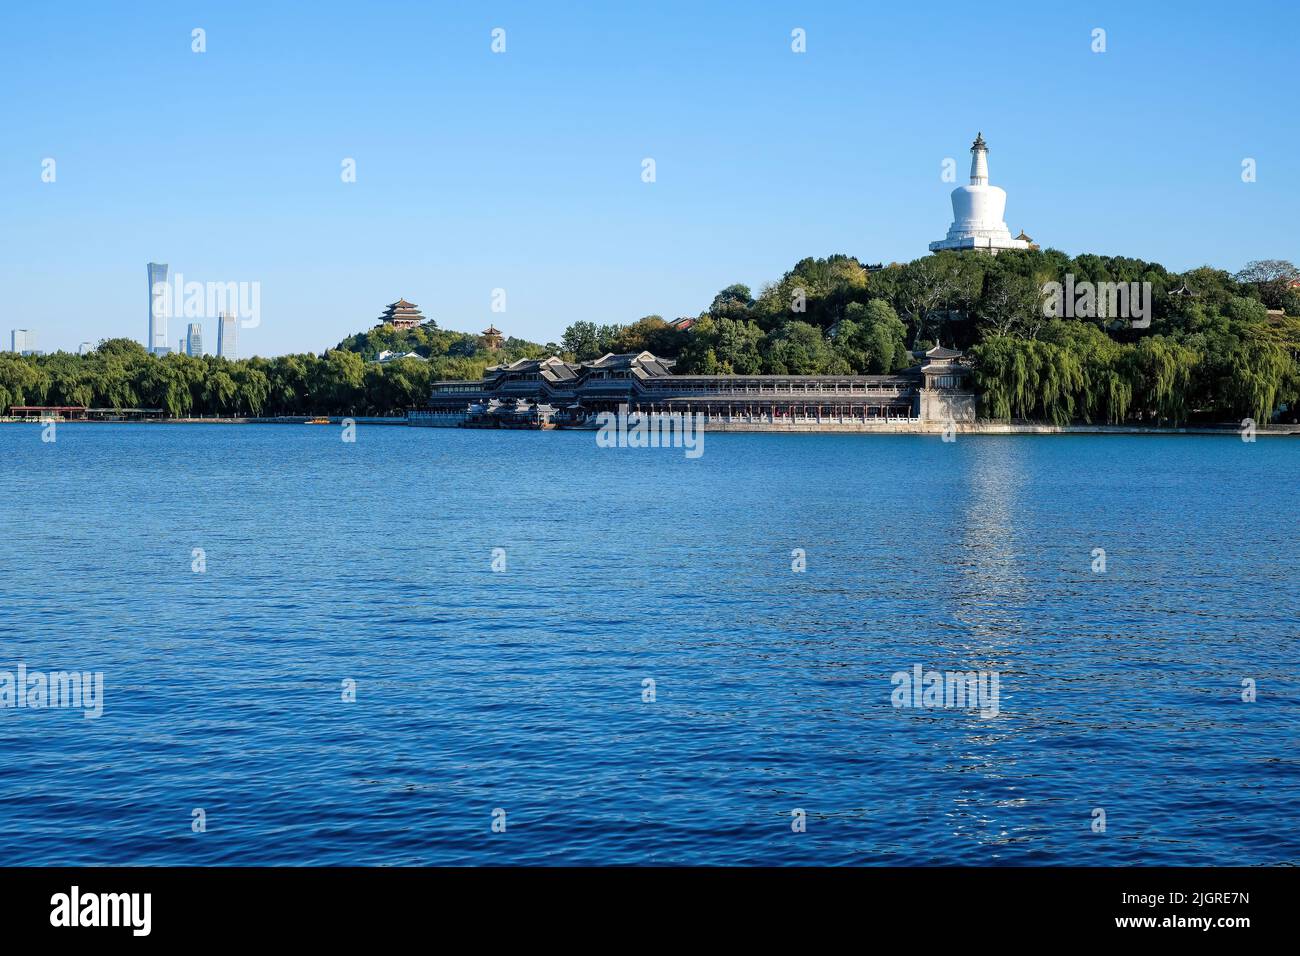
(227,336)
(157,322)
(22,340)
(85,348)
(194,340)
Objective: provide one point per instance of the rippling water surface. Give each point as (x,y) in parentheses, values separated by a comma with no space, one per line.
(523,690)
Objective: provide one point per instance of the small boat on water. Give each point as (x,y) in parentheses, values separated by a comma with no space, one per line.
(317,421)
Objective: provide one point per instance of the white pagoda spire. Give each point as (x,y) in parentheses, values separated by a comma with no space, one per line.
(977,210)
(979,161)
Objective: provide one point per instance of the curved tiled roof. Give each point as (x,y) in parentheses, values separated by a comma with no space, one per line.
(939,352)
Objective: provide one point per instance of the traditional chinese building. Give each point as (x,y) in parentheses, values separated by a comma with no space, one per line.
(492,338)
(551,392)
(402,315)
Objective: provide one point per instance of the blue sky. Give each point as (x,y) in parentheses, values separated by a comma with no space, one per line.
(522,170)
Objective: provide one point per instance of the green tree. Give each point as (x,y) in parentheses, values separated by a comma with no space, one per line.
(219,391)
(722,347)
(799,348)
(872,339)
(1270,279)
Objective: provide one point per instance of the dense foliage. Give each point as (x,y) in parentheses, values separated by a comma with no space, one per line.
(1218,347)
(451,355)
(1212,351)
(119,374)
(344,381)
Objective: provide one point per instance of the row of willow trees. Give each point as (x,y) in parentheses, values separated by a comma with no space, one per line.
(119,374)
(1073,372)
(345,380)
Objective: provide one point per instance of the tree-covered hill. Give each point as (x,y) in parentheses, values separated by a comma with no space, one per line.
(1218,347)
(452,355)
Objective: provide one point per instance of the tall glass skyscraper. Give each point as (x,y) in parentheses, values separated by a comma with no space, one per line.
(227,336)
(194,340)
(157,317)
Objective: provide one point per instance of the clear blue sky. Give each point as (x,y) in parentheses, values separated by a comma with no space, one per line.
(523,170)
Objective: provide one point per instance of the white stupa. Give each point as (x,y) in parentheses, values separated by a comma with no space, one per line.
(977,211)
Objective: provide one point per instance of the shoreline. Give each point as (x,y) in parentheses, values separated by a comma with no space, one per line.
(792,428)
(1002,428)
(280,420)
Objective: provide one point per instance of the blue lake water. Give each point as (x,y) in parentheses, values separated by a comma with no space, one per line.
(522,690)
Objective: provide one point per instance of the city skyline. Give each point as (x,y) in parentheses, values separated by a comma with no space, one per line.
(477,171)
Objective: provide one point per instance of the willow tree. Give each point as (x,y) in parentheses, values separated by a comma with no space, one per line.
(1060,381)
(995,375)
(1259,369)
(1101,390)
(22,382)
(1162,370)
